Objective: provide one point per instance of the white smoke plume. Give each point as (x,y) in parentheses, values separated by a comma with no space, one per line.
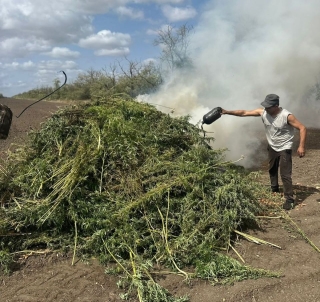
(242,51)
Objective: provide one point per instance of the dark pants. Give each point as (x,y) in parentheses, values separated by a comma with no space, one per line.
(282,160)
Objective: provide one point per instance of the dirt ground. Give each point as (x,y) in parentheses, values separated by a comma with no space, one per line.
(51,277)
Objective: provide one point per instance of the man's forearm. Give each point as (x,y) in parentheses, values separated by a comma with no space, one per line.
(255,112)
(234,112)
(303,135)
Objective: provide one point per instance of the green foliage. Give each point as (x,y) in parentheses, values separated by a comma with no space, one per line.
(132,80)
(220,267)
(6,261)
(142,283)
(133,186)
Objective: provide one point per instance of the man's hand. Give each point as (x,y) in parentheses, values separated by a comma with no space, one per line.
(301,152)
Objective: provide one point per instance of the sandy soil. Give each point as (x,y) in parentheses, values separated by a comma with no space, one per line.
(30,119)
(51,277)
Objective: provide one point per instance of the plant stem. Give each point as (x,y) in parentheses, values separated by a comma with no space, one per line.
(300,231)
(75,242)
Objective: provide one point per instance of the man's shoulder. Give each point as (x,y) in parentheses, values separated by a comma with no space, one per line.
(285,112)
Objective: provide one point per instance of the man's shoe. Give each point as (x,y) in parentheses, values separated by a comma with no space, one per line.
(275,189)
(288,205)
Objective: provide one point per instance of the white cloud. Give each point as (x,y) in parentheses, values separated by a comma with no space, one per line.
(20,84)
(30,27)
(103,6)
(174,14)
(63,52)
(149,61)
(29,65)
(152,32)
(164,27)
(106,42)
(12,65)
(113,52)
(20,47)
(129,12)
(48,71)
(69,65)
(96,6)
(55,65)
(53,22)
(6,85)
(160,1)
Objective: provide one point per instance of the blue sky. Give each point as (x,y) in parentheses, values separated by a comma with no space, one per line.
(40,38)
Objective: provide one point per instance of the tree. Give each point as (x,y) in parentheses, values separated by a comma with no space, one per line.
(56,86)
(139,78)
(174,43)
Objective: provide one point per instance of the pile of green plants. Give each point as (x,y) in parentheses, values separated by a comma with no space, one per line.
(123,182)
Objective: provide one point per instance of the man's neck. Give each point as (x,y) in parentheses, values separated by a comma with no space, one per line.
(276,112)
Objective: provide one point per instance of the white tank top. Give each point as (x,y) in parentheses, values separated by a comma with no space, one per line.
(279,133)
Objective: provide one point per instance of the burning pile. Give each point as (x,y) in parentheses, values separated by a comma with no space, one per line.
(121,181)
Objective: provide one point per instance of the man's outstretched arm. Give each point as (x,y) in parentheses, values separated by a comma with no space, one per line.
(243,113)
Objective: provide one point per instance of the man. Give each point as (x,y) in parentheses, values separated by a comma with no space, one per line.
(279,126)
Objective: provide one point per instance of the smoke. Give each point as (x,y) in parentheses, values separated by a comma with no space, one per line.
(242,51)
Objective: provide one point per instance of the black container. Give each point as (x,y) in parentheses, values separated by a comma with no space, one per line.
(212,116)
(5,121)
